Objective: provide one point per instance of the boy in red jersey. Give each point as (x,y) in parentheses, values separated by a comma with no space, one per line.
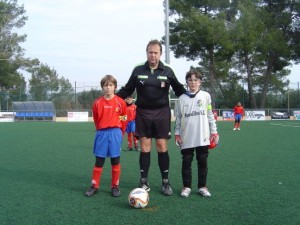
(130,129)
(109,113)
(238,113)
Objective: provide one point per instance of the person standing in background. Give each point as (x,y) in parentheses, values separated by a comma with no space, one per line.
(238,113)
(130,129)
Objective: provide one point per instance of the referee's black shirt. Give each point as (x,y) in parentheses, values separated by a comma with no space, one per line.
(152,86)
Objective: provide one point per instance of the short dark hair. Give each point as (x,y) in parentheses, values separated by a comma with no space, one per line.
(108,79)
(197,74)
(154,42)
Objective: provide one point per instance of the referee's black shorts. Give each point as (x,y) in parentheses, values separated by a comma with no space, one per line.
(153,123)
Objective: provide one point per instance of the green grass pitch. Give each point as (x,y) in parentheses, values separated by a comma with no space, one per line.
(46,167)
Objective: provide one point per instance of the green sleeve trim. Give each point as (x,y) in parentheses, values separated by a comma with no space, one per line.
(142,76)
(162,77)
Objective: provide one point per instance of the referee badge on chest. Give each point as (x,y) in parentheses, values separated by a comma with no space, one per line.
(163,80)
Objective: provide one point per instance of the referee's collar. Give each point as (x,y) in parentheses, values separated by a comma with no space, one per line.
(160,65)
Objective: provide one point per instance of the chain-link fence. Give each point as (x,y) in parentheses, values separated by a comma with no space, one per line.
(83,95)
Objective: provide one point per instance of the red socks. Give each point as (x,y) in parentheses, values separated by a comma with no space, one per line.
(135,140)
(97,172)
(115,175)
(129,140)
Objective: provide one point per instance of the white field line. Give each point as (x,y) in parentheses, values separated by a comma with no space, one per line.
(284,125)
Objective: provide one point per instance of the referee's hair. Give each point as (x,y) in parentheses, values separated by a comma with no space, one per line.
(154,42)
(197,74)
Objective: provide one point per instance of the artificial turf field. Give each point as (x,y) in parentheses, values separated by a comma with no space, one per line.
(45,167)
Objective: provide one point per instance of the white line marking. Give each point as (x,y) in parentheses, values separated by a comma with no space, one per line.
(284,125)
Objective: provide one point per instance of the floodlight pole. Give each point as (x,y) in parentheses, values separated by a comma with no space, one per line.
(75,96)
(167,38)
(167,32)
(288,95)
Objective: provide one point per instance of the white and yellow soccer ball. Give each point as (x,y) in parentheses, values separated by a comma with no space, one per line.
(138,198)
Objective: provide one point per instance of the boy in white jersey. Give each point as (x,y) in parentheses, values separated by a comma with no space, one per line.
(195,128)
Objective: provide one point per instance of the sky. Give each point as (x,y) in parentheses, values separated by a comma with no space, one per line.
(83,40)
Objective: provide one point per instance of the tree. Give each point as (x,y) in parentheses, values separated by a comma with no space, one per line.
(45,85)
(199,32)
(86,98)
(11,81)
(246,31)
(43,82)
(11,17)
(62,99)
(263,35)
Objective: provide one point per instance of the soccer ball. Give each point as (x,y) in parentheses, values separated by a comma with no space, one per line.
(138,198)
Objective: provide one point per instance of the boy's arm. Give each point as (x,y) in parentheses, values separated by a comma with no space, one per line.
(211,120)
(177,113)
(124,118)
(95,115)
(214,136)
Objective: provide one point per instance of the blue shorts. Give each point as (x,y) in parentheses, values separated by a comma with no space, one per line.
(108,143)
(130,127)
(238,116)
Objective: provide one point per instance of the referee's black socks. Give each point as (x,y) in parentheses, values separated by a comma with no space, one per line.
(144,164)
(164,162)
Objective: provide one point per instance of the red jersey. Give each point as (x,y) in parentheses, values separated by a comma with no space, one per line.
(131,112)
(109,113)
(238,110)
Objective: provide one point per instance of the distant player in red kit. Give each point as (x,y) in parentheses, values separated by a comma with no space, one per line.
(109,113)
(238,113)
(130,129)
(215,114)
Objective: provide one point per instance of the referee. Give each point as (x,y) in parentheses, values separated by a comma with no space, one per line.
(152,80)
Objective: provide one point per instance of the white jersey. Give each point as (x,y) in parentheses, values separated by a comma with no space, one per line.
(194,120)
